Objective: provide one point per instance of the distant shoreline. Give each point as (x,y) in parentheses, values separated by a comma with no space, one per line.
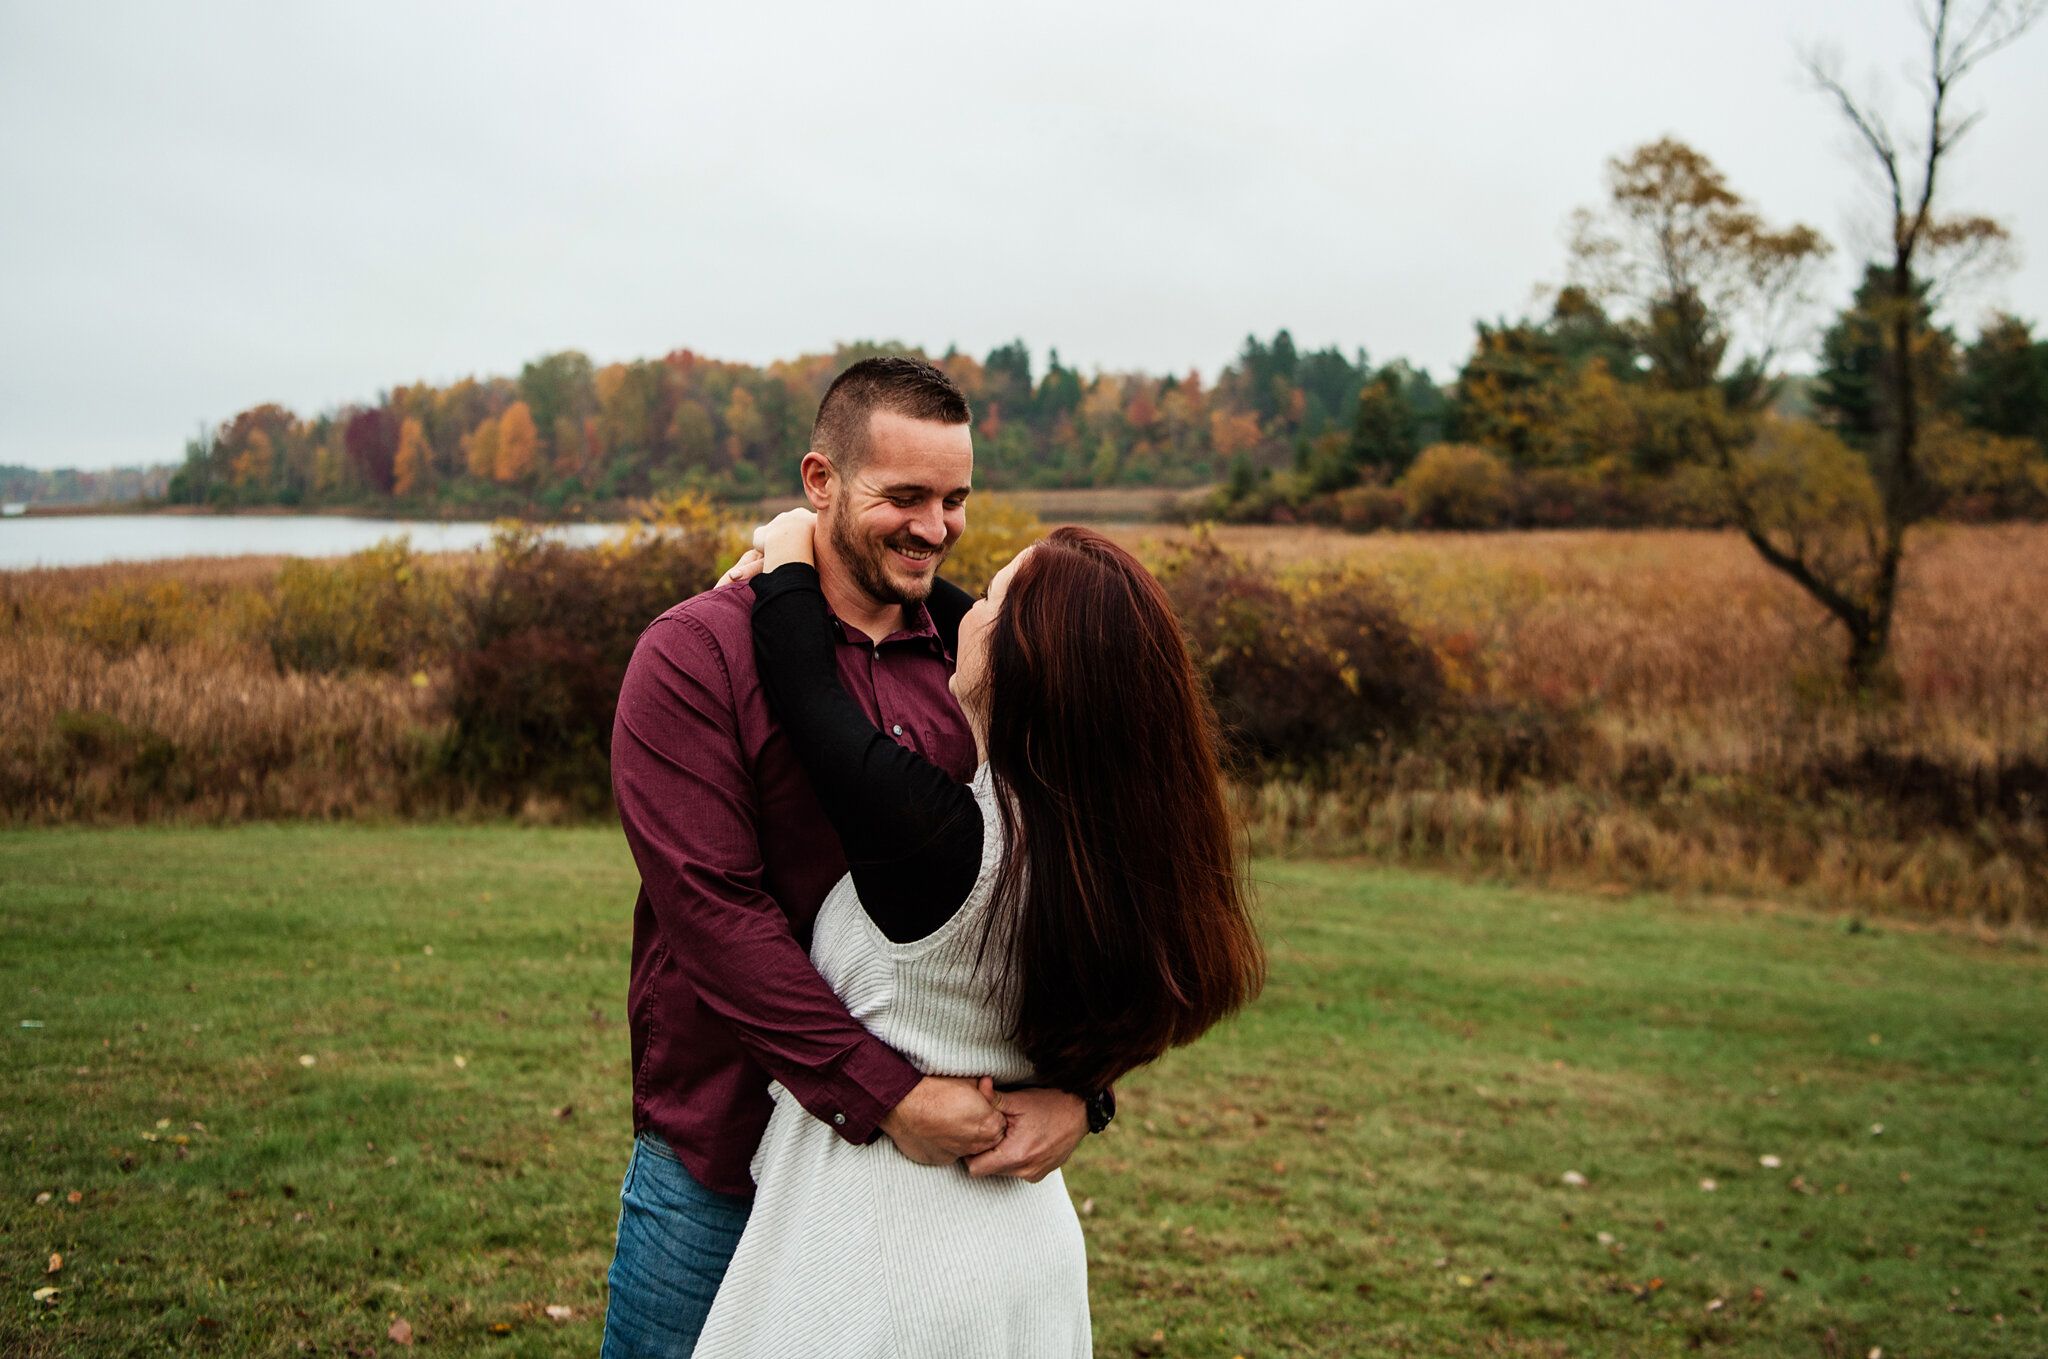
(153,507)
(1109,504)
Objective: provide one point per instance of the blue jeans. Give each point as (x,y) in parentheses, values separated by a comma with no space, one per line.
(675,1240)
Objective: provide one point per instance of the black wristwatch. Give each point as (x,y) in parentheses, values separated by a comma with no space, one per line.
(1101,1109)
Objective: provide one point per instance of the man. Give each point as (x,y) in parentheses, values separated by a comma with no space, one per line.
(735,857)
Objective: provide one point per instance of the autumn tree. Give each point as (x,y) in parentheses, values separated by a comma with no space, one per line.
(1930,253)
(1705,280)
(413,467)
(518,444)
(480,450)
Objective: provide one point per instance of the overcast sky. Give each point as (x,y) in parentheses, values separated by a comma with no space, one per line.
(210,206)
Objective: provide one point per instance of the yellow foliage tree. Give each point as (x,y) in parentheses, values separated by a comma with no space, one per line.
(518,444)
(253,463)
(744,420)
(413,469)
(480,450)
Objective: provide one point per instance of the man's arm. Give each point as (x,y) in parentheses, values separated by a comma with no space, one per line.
(675,746)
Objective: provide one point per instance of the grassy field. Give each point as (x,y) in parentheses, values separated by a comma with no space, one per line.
(293,1085)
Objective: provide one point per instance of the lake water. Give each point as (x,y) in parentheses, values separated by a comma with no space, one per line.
(88,539)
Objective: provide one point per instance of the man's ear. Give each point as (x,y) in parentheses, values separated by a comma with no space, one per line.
(820,480)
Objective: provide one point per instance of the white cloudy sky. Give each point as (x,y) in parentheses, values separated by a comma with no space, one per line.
(211,205)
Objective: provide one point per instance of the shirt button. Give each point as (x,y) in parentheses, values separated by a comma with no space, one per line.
(897,729)
(839,1120)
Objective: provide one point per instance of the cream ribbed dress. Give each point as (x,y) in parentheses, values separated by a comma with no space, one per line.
(857,1252)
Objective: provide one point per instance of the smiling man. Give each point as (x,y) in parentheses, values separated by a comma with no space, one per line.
(736,855)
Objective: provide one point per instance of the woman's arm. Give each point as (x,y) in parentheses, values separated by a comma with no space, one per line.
(912,836)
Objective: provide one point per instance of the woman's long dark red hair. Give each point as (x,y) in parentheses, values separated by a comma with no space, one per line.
(1120,883)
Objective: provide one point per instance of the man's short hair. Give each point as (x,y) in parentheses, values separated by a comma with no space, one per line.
(911,388)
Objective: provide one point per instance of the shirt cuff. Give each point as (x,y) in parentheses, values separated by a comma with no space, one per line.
(871,1081)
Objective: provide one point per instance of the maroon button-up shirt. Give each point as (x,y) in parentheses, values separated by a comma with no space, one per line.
(735,857)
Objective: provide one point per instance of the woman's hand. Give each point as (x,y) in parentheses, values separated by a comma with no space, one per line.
(791,531)
(746,568)
(787,538)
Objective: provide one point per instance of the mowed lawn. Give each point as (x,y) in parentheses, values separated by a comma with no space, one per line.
(284,1087)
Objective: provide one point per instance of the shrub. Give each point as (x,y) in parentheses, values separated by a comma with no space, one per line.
(549,630)
(120,619)
(997,530)
(1364,509)
(379,609)
(1301,674)
(1458,486)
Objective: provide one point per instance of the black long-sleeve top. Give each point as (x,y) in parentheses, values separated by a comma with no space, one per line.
(912,835)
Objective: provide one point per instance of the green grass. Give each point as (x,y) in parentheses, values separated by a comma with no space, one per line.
(1367,1162)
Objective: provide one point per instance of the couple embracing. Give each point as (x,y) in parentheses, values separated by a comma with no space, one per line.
(921,877)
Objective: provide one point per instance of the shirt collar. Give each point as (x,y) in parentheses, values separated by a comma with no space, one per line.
(920,630)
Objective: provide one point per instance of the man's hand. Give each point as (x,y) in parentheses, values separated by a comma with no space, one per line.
(944,1118)
(1043,1128)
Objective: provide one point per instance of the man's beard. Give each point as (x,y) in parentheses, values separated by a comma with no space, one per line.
(863,559)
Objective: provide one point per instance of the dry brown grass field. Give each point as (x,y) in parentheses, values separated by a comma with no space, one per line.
(1722,755)
(1685,698)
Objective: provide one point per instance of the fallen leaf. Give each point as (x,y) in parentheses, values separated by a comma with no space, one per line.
(1279,1167)
(1087,1207)
(1791,1274)
(43,1197)
(1709,1186)
(56,1263)
(163,1123)
(1604,1238)
(74,1197)
(500,1327)
(558,1312)
(566,1111)
(306,1059)
(1769,1162)
(1756,1295)
(46,1295)
(1716,1305)
(461,1061)
(1573,1178)
(1466,1281)
(401,1331)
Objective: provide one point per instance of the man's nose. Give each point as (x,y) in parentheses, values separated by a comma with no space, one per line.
(929,524)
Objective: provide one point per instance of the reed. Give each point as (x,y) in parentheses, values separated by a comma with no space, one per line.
(1651,708)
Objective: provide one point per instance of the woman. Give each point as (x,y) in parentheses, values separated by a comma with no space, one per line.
(1068,916)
